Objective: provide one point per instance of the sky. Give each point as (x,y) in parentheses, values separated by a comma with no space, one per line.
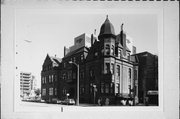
(40,33)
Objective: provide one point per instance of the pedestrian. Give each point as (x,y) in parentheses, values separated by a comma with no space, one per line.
(99,101)
(107,101)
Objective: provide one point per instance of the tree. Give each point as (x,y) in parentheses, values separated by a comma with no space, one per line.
(37,91)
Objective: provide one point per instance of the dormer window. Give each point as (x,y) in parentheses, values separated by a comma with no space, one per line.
(82,57)
(119,53)
(74,59)
(128,56)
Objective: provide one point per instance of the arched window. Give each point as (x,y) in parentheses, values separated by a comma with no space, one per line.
(107,49)
(128,56)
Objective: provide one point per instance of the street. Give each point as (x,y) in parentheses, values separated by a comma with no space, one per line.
(46,107)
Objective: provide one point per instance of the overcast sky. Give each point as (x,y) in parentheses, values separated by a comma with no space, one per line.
(50,32)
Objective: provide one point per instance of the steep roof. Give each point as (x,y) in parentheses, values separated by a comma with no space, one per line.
(106,29)
(55,60)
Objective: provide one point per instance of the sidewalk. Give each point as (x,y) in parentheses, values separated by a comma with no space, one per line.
(87,105)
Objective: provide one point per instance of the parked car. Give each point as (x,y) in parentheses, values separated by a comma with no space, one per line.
(59,101)
(68,102)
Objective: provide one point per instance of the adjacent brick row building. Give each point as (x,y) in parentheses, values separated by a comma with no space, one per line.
(107,69)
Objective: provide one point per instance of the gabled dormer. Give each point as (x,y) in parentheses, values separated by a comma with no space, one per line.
(94,52)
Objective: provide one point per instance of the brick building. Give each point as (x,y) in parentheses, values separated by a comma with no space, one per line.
(108,68)
(50,77)
(148,77)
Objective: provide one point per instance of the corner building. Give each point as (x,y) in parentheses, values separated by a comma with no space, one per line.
(106,68)
(110,68)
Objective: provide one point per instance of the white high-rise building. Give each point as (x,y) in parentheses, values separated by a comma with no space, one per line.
(26,83)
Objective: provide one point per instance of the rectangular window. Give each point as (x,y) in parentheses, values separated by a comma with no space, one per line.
(50,91)
(55,77)
(64,76)
(70,74)
(55,91)
(82,90)
(49,79)
(129,73)
(118,70)
(119,53)
(42,80)
(74,75)
(135,74)
(106,88)
(107,68)
(52,77)
(45,79)
(112,49)
(117,88)
(112,68)
(82,58)
(44,92)
(102,87)
(64,91)
(112,88)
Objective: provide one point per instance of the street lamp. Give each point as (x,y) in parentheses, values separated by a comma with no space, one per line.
(94,86)
(95,89)
(67,95)
(77,65)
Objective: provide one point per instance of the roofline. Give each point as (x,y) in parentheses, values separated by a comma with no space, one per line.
(144,53)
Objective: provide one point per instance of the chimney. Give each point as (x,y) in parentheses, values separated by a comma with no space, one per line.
(123,40)
(92,39)
(133,50)
(64,50)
